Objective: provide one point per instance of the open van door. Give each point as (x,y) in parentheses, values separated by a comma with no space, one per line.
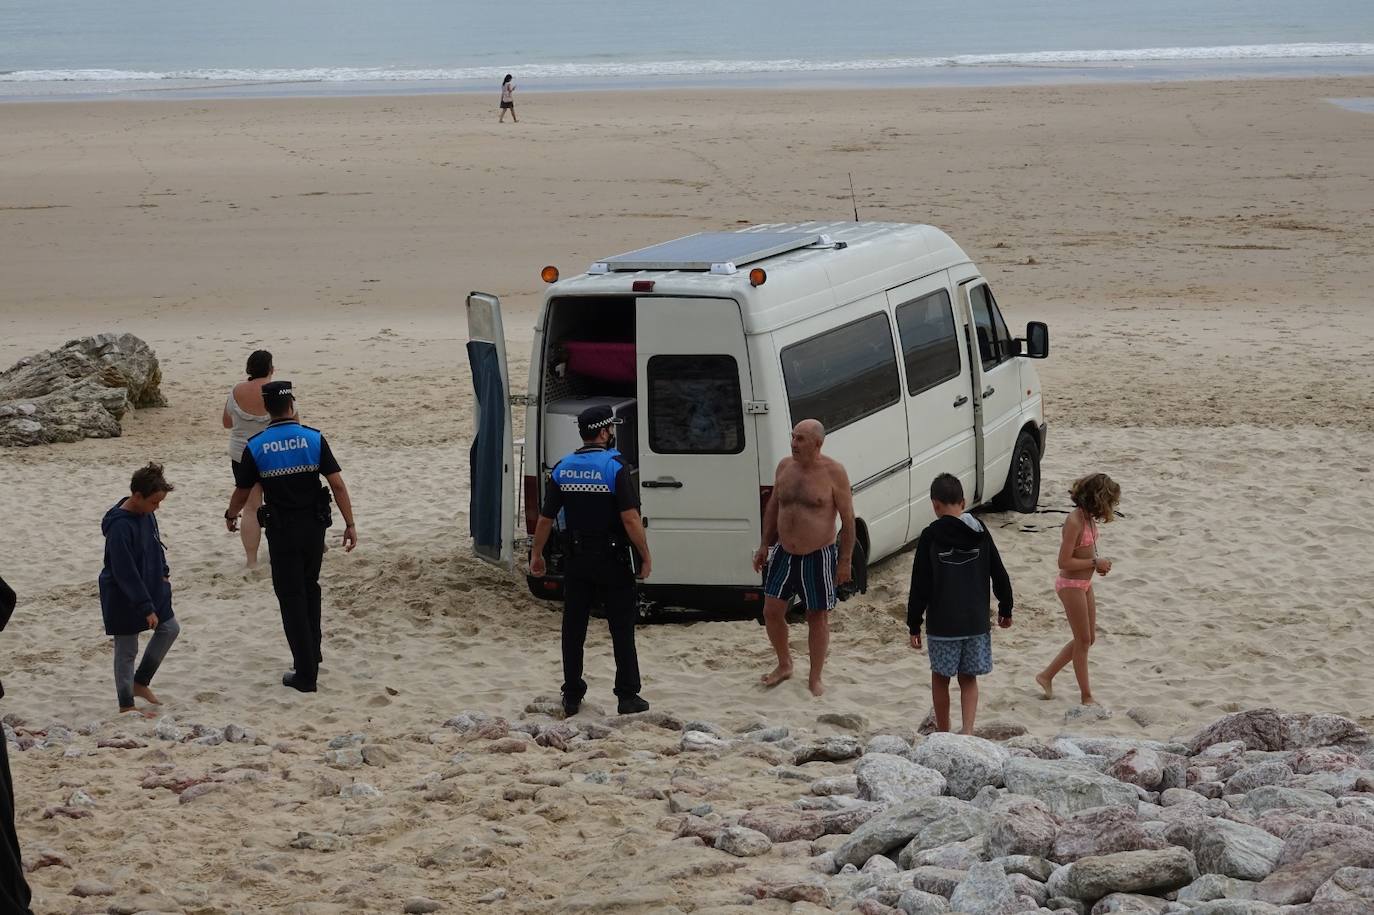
(491,506)
(698,449)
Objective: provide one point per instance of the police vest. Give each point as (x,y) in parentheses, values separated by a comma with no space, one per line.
(590,471)
(285,449)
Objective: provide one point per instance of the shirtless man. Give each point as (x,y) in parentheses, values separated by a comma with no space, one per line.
(809,490)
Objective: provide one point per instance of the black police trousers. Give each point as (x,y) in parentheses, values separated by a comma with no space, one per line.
(14,889)
(585,584)
(295,543)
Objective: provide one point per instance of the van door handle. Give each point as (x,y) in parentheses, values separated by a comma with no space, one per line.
(662,484)
(989,392)
(960,400)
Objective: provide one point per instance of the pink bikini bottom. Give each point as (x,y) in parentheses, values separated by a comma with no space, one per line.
(1082,584)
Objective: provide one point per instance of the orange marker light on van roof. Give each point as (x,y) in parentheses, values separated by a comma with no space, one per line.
(758,276)
(549,274)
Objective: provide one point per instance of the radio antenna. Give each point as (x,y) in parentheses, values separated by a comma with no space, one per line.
(854,200)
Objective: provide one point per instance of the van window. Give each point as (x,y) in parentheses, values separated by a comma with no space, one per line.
(842,375)
(695,405)
(994,343)
(930,345)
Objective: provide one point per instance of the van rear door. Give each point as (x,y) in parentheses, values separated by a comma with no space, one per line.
(698,449)
(491,507)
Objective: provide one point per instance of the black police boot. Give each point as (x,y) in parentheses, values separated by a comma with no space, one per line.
(292,679)
(571,706)
(631,704)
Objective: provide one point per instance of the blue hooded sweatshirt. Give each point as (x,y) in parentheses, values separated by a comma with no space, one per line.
(131,583)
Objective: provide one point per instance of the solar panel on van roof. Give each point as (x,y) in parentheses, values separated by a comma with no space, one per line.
(701,251)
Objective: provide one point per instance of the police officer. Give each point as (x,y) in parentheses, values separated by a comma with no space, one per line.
(593,489)
(288,459)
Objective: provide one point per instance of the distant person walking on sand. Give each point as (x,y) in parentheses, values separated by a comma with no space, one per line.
(508,99)
(245,416)
(288,459)
(798,555)
(136,587)
(955,561)
(14,889)
(1095,498)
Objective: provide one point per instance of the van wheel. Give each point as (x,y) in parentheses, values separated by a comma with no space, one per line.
(858,581)
(1022,492)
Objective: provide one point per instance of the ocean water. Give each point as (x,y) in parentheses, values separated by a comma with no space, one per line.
(62,46)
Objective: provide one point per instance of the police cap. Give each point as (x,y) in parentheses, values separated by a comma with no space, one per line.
(593,419)
(276,393)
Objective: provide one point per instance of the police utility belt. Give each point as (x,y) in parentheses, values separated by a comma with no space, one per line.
(321,513)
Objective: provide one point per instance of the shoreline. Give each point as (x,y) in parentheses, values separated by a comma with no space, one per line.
(948,76)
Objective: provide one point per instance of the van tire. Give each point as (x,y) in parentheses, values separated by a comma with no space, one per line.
(1022,490)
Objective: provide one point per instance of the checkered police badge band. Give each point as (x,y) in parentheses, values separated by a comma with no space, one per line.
(584,487)
(287,471)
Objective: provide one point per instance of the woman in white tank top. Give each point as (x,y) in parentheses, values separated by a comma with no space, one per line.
(245,416)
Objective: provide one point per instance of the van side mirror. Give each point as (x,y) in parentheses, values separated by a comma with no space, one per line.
(1037,340)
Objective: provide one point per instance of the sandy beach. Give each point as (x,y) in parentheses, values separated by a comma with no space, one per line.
(1202,252)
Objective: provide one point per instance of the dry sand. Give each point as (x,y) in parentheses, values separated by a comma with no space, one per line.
(1202,252)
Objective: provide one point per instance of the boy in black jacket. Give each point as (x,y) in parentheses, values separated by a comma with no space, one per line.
(955,560)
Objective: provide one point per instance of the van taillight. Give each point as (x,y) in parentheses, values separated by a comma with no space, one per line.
(531,504)
(765,493)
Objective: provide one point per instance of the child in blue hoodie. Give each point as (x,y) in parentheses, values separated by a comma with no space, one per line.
(136,588)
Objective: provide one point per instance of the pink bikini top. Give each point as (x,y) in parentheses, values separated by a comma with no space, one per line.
(1089,535)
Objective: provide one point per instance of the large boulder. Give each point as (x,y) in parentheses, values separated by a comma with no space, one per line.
(1267,729)
(1150,872)
(1299,881)
(1348,883)
(1022,827)
(889,779)
(894,828)
(1236,850)
(985,891)
(1065,786)
(82,390)
(1102,831)
(968,763)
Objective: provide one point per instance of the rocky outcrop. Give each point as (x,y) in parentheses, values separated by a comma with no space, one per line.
(80,391)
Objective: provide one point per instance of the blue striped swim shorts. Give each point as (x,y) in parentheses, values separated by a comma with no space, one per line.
(812,576)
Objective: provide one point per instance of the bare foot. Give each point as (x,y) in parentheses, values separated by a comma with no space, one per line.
(777,675)
(817,688)
(1089,700)
(146,694)
(1046,685)
(142,713)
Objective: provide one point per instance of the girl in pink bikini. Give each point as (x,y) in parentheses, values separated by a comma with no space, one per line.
(1095,498)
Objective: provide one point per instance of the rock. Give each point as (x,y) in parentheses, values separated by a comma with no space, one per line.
(319,841)
(766,735)
(1235,907)
(849,721)
(1256,729)
(1310,760)
(1152,872)
(849,819)
(701,741)
(167,729)
(985,891)
(1306,836)
(1138,766)
(348,758)
(377,755)
(419,905)
(466,722)
(347,740)
(743,842)
(810,889)
(1087,714)
(1252,777)
(1032,889)
(1038,869)
(507,745)
(1101,831)
(959,856)
(1066,787)
(888,743)
(829,749)
(234,733)
(1275,797)
(1023,827)
(79,391)
(1301,731)
(967,763)
(889,779)
(919,902)
(197,791)
(1065,904)
(495,895)
(941,881)
(1216,886)
(88,888)
(1299,881)
(894,828)
(784,824)
(1236,850)
(120,743)
(1348,883)
(1130,904)
(358,789)
(1000,730)
(835,785)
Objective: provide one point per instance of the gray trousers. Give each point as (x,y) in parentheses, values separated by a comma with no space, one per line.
(126,653)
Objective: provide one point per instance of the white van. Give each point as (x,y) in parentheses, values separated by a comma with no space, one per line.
(713,346)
